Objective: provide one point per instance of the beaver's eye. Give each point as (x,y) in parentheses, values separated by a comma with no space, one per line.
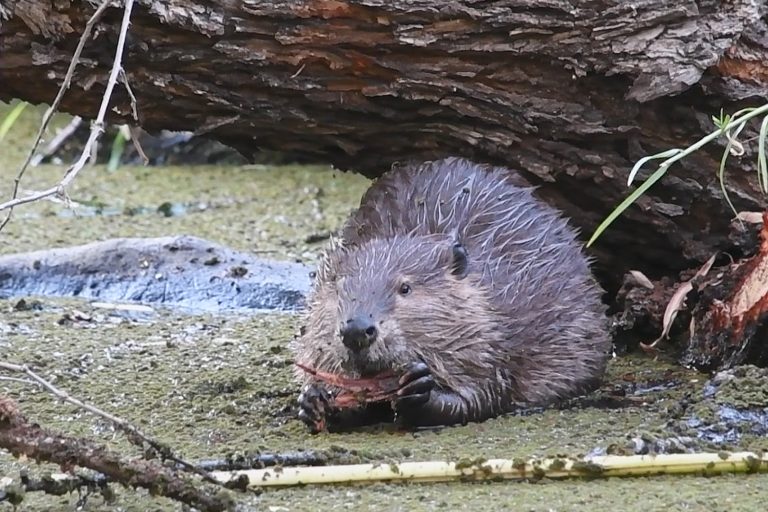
(405,289)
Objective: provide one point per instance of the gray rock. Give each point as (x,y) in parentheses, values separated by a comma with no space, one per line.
(180,271)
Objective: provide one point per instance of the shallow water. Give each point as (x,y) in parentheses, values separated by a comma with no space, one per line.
(211,385)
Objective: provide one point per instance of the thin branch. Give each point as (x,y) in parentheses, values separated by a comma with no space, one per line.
(94,150)
(164,451)
(55,105)
(97,128)
(135,132)
(134,103)
(14,379)
(55,485)
(22,438)
(61,483)
(58,140)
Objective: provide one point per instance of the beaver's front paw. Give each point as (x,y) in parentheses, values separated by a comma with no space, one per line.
(315,404)
(416,386)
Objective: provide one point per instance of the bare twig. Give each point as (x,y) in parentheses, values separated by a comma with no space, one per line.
(94,150)
(57,484)
(54,106)
(58,140)
(134,104)
(298,72)
(135,132)
(14,379)
(133,432)
(97,128)
(62,483)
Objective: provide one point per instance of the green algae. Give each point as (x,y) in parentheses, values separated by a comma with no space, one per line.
(214,386)
(269,211)
(282,212)
(700,494)
(211,386)
(743,387)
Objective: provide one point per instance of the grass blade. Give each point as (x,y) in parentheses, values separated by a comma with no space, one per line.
(639,164)
(11,118)
(762,165)
(653,178)
(118,146)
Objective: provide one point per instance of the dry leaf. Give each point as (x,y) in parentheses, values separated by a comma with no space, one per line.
(641,279)
(677,302)
(751,217)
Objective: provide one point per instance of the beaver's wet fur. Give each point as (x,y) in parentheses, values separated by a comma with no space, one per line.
(453,274)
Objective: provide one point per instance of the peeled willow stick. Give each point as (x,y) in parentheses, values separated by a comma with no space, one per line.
(505,469)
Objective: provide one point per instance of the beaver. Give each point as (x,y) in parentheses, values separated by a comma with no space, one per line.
(454,275)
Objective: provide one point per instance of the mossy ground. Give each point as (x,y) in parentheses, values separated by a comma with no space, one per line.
(213,385)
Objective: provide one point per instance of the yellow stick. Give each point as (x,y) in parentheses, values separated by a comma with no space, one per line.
(505,469)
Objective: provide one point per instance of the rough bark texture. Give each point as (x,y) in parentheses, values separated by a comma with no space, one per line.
(571,92)
(22,438)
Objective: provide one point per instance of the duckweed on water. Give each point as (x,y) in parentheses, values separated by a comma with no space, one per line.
(468,463)
(214,386)
(281,212)
(211,386)
(742,387)
(557,464)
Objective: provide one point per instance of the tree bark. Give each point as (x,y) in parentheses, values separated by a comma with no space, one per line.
(571,93)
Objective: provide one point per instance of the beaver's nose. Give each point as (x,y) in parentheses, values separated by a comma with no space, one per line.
(358,333)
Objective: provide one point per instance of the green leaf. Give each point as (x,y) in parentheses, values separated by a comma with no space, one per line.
(118,145)
(726,124)
(653,178)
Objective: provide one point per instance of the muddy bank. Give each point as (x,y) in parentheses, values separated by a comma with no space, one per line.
(214,387)
(184,272)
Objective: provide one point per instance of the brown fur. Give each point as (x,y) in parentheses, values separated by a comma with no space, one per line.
(526,325)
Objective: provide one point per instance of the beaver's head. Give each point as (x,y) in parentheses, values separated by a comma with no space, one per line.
(390,302)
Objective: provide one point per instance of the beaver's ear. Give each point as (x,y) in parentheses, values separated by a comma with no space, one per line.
(460,264)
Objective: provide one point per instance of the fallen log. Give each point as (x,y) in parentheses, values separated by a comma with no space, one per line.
(571,93)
